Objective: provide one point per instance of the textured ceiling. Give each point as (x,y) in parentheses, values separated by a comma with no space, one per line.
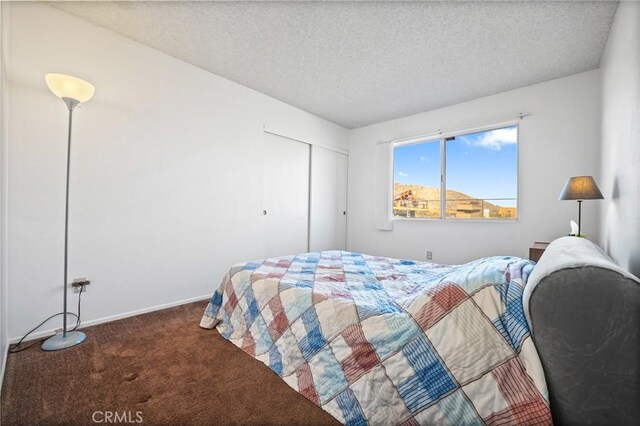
(358,63)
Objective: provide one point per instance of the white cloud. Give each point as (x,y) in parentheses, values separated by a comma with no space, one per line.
(496,139)
(403,174)
(423,158)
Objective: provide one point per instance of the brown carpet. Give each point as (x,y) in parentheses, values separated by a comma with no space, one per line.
(161,364)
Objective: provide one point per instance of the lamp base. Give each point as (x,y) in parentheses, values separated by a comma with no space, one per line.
(57,342)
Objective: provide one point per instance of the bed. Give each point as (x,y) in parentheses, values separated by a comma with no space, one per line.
(375,340)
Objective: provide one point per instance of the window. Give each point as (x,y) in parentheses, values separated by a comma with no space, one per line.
(463,176)
(416,180)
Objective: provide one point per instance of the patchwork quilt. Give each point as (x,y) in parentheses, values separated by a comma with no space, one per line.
(374,340)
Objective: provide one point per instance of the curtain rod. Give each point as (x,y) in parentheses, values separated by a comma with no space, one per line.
(463,129)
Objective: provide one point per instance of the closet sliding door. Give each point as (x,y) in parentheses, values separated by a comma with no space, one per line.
(286,196)
(328,200)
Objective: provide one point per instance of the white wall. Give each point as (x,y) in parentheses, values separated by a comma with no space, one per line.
(166,171)
(4,311)
(621,139)
(560,139)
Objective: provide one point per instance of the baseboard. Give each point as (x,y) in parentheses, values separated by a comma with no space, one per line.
(96,321)
(4,365)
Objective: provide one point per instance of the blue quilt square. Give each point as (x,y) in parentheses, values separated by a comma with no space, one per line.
(430,380)
(328,377)
(371,299)
(214,304)
(251,266)
(261,336)
(275,360)
(307,259)
(314,340)
(224,326)
(252,307)
(286,284)
(512,323)
(457,410)
(350,408)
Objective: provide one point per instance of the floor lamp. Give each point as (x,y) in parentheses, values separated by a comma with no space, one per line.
(580,188)
(72,91)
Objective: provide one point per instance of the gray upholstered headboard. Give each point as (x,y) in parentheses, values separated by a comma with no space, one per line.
(584,313)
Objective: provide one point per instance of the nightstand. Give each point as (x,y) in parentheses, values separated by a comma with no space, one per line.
(536,250)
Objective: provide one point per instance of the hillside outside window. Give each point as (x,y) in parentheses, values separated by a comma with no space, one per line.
(462,176)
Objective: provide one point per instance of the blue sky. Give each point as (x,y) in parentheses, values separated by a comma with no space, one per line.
(481,165)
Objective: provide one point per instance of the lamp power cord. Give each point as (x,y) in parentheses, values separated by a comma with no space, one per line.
(16,347)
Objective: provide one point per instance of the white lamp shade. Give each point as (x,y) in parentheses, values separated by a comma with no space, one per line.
(66,86)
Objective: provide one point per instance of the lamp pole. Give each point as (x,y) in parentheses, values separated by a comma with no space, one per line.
(579,216)
(72,91)
(71,104)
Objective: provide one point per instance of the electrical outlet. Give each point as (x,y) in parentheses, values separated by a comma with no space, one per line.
(429,255)
(80,283)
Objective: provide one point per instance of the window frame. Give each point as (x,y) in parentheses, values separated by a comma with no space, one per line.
(441,138)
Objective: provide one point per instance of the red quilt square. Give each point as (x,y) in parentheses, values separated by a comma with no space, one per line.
(280,321)
(444,297)
(331,278)
(248,344)
(362,357)
(232,301)
(305,383)
(526,405)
